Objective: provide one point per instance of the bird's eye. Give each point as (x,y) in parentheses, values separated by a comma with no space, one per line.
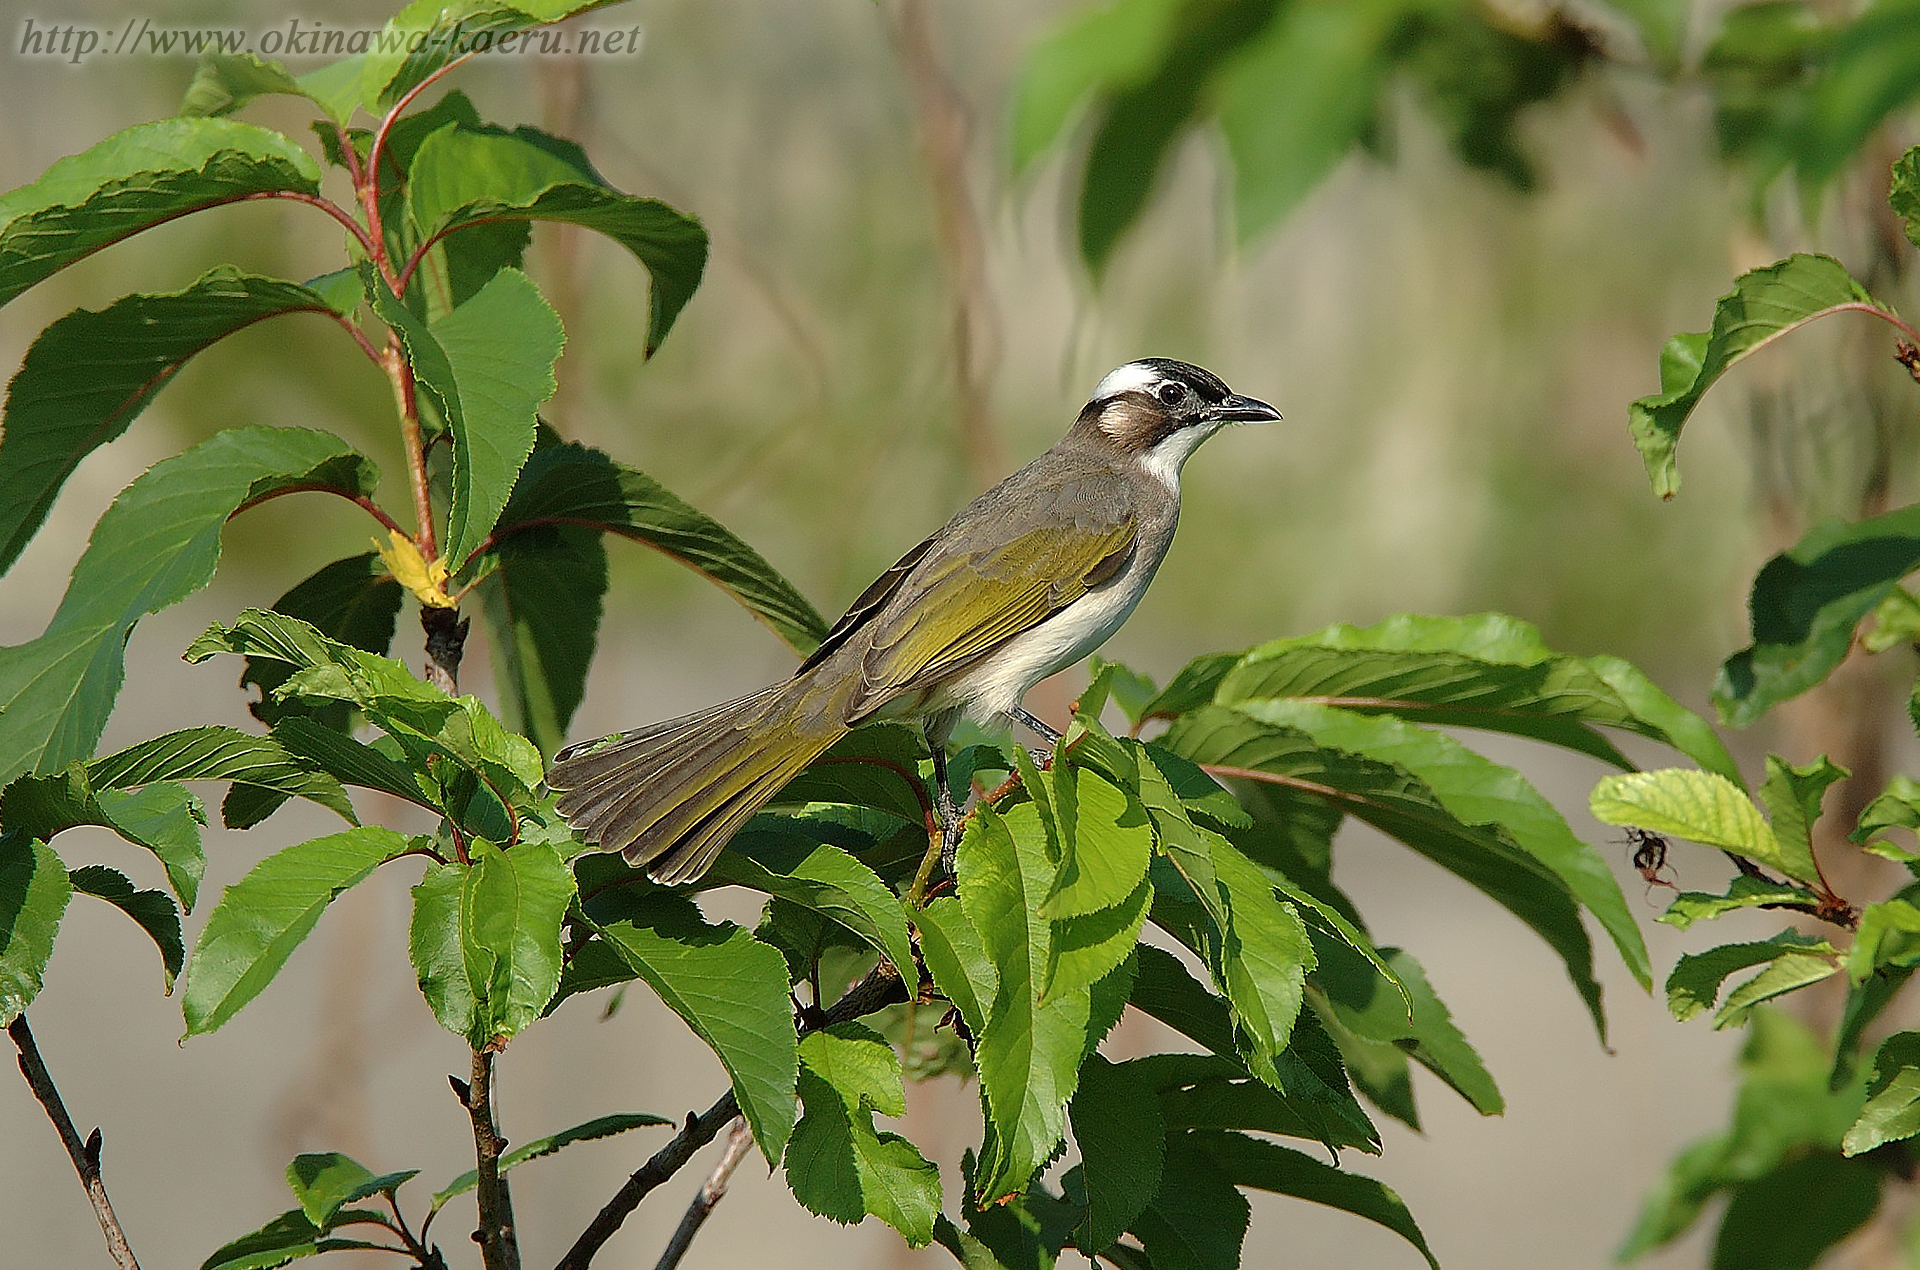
(1170,393)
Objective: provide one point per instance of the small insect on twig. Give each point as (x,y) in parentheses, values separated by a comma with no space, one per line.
(1650,858)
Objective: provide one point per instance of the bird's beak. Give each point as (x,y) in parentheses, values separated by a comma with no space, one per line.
(1238,409)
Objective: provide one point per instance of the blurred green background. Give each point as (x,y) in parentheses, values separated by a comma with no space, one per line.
(1454,359)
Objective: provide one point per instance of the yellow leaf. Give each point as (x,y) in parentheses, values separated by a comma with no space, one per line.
(426,579)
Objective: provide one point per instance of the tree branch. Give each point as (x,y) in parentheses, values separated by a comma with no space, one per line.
(499,1242)
(738,1143)
(85,1155)
(882,987)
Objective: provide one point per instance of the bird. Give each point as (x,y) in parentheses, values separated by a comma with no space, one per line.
(1029,578)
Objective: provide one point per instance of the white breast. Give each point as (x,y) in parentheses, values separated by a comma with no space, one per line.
(1000,682)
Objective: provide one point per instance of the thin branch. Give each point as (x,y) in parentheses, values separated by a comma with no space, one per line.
(880,988)
(366,504)
(326,205)
(710,1194)
(499,1242)
(85,1155)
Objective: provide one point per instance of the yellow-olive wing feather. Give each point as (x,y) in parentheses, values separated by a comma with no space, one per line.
(956,607)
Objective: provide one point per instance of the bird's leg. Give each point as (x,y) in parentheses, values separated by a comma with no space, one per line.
(1034,725)
(948,810)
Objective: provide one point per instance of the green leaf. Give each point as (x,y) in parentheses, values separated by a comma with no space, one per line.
(486,938)
(1785,1109)
(286,1237)
(1905,195)
(428,34)
(1486,671)
(1309,1099)
(731,990)
(263,917)
(1792,1216)
(543,614)
(487,365)
(1269,1167)
(1192,687)
(838,1165)
(220,754)
(1298,98)
(956,957)
(1892,1110)
(1122,1138)
(326,1181)
(1805,604)
(1763,305)
(599,1127)
(1427,1033)
(34,890)
(1029,1051)
(1478,791)
(1743,892)
(162,817)
(354,600)
(1221,906)
(822,878)
(154,911)
(1145,114)
(1866,75)
(1895,807)
(1695,982)
(581,486)
(90,374)
(136,179)
(464,175)
(224,82)
(1091,50)
(1401,805)
(1888,935)
(1700,807)
(157,544)
(1792,796)
(1105,843)
(1196,1220)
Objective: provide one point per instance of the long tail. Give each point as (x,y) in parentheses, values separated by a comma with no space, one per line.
(669,796)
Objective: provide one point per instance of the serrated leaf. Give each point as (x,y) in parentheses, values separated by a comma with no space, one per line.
(1888,935)
(1695,982)
(1486,671)
(1698,806)
(263,917)
(1905,194)
(1787,973)
(1029,1051)
(1427,1032)
(1478,791)
(1805,604)
(1269,1167)
(34,890)
(354,600)
(90,374)
(154,912)
(325,1182)
(1105,843)
(156,544)
(820,877)
(428,34)
(1892,1110)
(1743,892)
(487,365)
(731,990)
(223,82)
(220,754)
(285,1238)
(1305,1103)
(1895,807)
(486,938)
(1401,805)
(957,958)
(1122,1138)
(599,1127)
(1196,1220)
(162,817)
(838,1165)
(1221,906)
(582,486)
(1764,304)
(136,179)
(465,175)
(543,615)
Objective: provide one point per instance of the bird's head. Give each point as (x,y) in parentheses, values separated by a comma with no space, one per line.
(1158,411)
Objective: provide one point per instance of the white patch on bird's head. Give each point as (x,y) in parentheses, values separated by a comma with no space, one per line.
(1133,377)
